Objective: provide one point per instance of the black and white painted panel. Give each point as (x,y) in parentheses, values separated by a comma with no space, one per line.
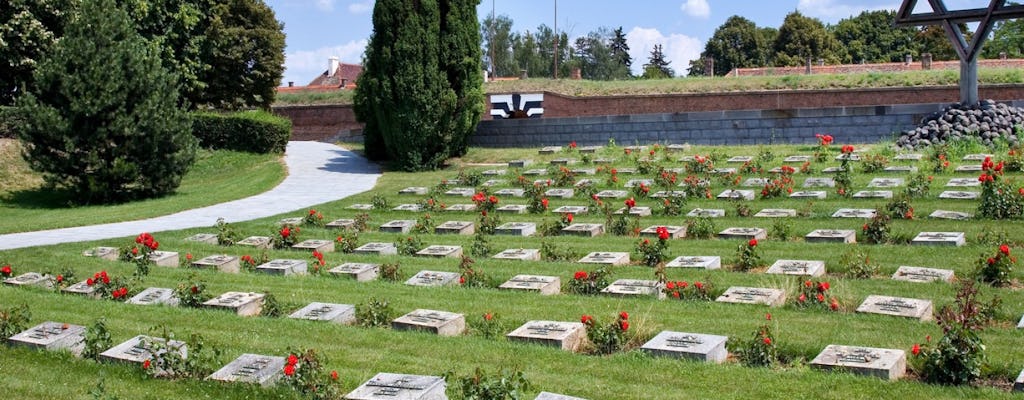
(508,106)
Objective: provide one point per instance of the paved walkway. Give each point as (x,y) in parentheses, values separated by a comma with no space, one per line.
(317,173)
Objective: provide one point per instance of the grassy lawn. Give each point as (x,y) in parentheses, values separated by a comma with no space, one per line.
(358,353)
(25,205)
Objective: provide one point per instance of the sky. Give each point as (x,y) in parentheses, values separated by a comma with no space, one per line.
(318,29)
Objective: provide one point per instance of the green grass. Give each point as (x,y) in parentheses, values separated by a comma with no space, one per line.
(358,353)
(25,205)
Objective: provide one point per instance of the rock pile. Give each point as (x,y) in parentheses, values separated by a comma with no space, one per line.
(986,120)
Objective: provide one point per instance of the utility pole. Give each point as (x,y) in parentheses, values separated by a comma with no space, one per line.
(493,68)
(556,40)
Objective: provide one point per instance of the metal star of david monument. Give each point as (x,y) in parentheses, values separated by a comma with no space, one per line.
(949,20)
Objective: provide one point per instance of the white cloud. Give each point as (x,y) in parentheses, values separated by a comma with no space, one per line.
(360,7)
(679,49)
(834,10)
(696,8)
(325,5)
(302,66)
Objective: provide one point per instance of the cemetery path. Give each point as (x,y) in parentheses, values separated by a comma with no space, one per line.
(317,173)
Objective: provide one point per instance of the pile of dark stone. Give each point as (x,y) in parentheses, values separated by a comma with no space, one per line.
(986,120)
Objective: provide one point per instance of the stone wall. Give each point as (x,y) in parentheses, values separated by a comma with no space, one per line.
(321,122)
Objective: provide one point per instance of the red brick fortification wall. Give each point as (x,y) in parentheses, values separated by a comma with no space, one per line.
(320,122)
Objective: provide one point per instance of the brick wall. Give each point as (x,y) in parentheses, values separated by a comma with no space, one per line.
(321,122)
(862,68)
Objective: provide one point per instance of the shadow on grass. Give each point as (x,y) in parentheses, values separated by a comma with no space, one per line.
(40,198)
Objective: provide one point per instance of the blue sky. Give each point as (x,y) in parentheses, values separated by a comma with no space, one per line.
(318,29)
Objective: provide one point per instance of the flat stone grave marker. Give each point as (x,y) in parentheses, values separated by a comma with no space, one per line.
(245,304)
(611,194)
(408,207)
(440,251)
(493,182)
(433,278)
(295,221)
(164,258)
(455,228)
(377,248)
(589,230)
(252,368)
(607,258)
(739,159)
(908,157)
(343,223)
(584,183)
(604,160)
(977,157)
(963,182)
(635,148)
(705,262)
(82,288)
(723,171)
(562,161)
(460,191)
(661,194)
(687,158)
(636,182)
(398,226)
(736,194)
(155,295)
(361,272)
(441,323)
(344,314)
(519,163)
(519,254)
(220,262)
(512,209)
(284,267)
(634,287)
(776,213)
(29,279)
(321,245)
(959,195)
(103,253)
(396,386)
(900,169)
(635,211)
(555,396)
(748,295)
(819,182)
(886,182)
(361,207)
(205,238)
(945,214)
(796,159)
(699,183)
(846,156)
(510,192)
(809,194)
(693,346)
(259,242)
(797,267)
(897,306)
(674,232)
(706,213)
(756,182)
(743,233)
(140,348)
(415,190)
(873,194)
(535,172)
(921,274)
(890,364)
(494,172)
(584,171)
(1018,385)
(516,229)
(1020,324)
(546,285)
(968,168)
(564,335)
(855,213)
(589,149)
(52,336)
(939,239)
(832,170)
(831,236)
(549,149)
(560,193)
(461,207)
(571,210)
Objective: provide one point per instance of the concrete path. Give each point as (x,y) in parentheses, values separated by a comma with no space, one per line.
(317,173)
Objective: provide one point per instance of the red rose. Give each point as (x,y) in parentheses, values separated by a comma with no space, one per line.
(488,316)
(752,243)
(1004,249)
(462,280)
(60,278)
(834,306)
(630,203)
(802,298)
(145,364)
(195,289)
(285,232)
(586,319)
(289,370)
(807,283)
(991,261)
(6,270)
(572,144)
(768,316)
(624,315)
(683,284)
(670,285)
(823,286)
(89,282)
(767,341)
(311,212)
(624,325)
(188,256)
(580,275)
(700,286)
(135,251)
(821,298)
(292,359)
(568,217)
(544,202)
(334,375)
(675,294)
(106,279)
(493,200)
(916,349)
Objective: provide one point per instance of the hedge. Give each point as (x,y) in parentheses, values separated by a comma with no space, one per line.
(251,131)
(7,122)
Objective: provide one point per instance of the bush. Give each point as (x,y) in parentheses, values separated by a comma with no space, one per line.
(250,131)
(7,123)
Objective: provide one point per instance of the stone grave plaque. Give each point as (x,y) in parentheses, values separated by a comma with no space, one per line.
(906,169)
(1020,324)
(897,306)
(687,158)
(252,368)
(460,191)
(939,239)
(661,194)
(1018,385)
(516,229)
(398,226)
(959,195)
(886,182)
(461,207)
(414,190)
(549,149)
(977,157)
(748,295)
(777,170)
(589,230)
(562,161)
(674,232)
(722,171)
(442,323)
(705,262)
(603,161)
(451,181)
(968,168)
(323,246)
(796,159)
(848,156)
(584,171)
(888,364)
(589,149)
(776,213)
(242,303)
(205,238)
(921,274)
(582,183)
(434,278)
(361,207)
(361,272)
(284,267)
(756,182)
(440,251)
(706,213)
(809,194)
(564,335)
(873,194)
(493,182)
(699,183)
(611,194)
(908,157)
(164,258)
(634,287)
(294,221)
(512,209)
(739,159)
(609,258)
(743,233)
(831,236)
(546,285)
(259,242)
(510,192)
(140,348)
(400,387)
(693,346)
(408,207)
(636,182)
(52,336)
(155,295)
(535,172)
(635,148)
(555,396)
(577,210)
(82,288)
(945,214)
(344,314)
(377,248)
(494,172)
(736,194)
(343,223)
(819,182)
(832,170)
(855,213)
(29,279)
(519,254)
(560,193)
(797,267)
(519,163)
(455,228)
(963,182)
(635,211)
(105,253)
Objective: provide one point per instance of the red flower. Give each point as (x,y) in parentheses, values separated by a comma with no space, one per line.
(834,306)
(628,151)
(89,282)
(289,370)
(670,285)
(675,294)
(544,202)
(865,227)
(823,286)
(312,212)
(106,279)
(983,178)
(683,284)
(586,319)
(292,359)
(1004,249)
(624,315)
(334,375)
(652,152)
(572,144)
(700,286)
(630,203)
(285,232)
(188,256)
(1020,191)
(6,270)
(767,341)
(821,298)
(568,217)
(145,364)
(662,233)
(195,289)
(493,200)
(462,280)
(991,261)
(488,316)
(752,242)
(807,283)
(60,278)
(580,275)
(768,316)
(135,251)
(802,298)
(916,349)
(624,325)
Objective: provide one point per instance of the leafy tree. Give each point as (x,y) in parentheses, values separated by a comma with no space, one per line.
(497,35)
(462,99)
(657,67)
(595,58)
(28,30)
(545,37)
(801,38)
(103,119)
(933,39)
(1008,37)
(738,43)
(870,37)
(527,56)
(620,50)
